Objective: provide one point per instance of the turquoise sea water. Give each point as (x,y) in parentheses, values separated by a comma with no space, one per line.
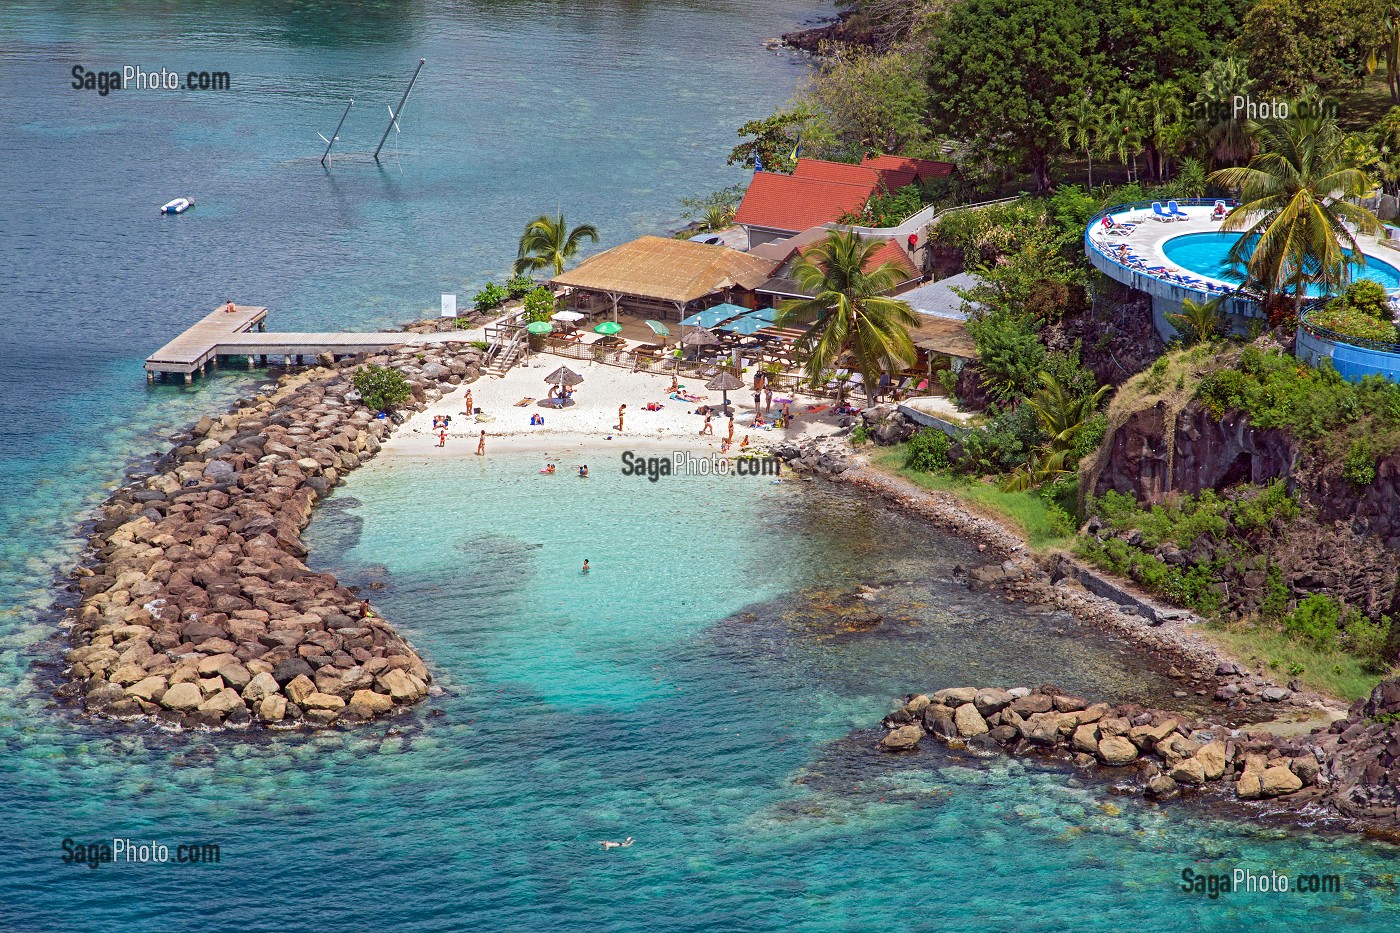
(1208,254)
(692,691)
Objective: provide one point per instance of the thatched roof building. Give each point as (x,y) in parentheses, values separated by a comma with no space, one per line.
(656,276)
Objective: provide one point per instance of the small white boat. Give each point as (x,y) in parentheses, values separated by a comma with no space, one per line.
(177,206)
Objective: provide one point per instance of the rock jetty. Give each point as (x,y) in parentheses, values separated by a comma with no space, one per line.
(197,608)
(1349,770)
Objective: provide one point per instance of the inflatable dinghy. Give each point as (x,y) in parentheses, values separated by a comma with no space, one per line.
(177,206)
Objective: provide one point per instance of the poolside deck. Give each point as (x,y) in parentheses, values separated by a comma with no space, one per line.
(1149,236)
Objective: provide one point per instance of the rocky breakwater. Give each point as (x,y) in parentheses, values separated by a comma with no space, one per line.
(197,608)
(1349,770)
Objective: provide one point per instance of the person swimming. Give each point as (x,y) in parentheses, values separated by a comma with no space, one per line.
(585,565)
(583,472)
(548,469)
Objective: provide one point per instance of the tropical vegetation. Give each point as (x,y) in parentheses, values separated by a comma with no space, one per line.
(849,313)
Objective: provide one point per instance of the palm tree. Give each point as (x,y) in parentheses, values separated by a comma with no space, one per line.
(717,217)
(1295,207)
(1062,416)
(1226,138)
(1390,44)
(1162,113)
(1125,133)
(548,243)
(1199,321)
(1081,128)
(848,310)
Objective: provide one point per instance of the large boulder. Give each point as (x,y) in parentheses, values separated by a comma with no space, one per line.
(901,739)
(1212,759)
(262,686)
(1116,750)
(183,696)
(969,721)
(991,701)
(1279,779)
(1188,771)
(1085,739)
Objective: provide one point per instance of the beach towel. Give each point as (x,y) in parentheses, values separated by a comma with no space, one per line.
(817,409)
(523,402)
(484,418)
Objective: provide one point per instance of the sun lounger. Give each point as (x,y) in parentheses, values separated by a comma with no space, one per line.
(523,402)
(1158,213)
(1176,212)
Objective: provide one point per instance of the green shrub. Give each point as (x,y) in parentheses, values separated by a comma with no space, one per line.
(381,388)
(490,297)
(519,286)
(860,435)
(1368,297)
(1317,621)
(539,304)
(1002,444)
(1359,465)
(1349,321)
(927,451)
(481,345)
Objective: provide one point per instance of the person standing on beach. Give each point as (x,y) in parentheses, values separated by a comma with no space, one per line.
(709,427)
(481,444)
(767,398)
(442,437)
(467,404)
(621,414)
(729,438)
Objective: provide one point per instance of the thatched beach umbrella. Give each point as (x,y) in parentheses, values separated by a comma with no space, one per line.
(723,383)
(700,337)
(563,376)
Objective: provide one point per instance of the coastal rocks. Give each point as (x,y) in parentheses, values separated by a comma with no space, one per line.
(1350,769)
(902,738)
(196,601)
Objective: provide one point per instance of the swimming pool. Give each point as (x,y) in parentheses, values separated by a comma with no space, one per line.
(1207,254)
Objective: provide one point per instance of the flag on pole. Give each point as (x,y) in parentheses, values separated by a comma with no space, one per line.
(796,148)
(757,160)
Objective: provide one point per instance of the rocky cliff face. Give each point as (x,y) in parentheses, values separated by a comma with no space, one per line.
(1152,454)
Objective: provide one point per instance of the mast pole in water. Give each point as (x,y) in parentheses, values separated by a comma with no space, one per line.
(336,135)
(394,114)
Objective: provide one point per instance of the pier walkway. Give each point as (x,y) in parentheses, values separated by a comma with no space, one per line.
(242,333)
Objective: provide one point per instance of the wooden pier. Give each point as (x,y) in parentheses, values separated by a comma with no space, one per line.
(242,333)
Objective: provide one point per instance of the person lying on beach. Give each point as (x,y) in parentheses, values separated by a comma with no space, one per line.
(685,396)
(654,406)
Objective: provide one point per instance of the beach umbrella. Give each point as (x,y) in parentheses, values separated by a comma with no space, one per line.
(723,383)
(700,338)
(608,328)
(540,327)
(659,329)
(563,376)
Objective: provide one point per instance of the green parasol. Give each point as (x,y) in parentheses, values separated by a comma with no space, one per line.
(608,327)
(540,327)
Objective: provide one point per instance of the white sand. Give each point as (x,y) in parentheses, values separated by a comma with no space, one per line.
(591,422)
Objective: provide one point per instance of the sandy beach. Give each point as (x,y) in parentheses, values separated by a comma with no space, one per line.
(591,421)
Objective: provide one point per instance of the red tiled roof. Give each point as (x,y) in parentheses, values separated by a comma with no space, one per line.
(793,202)
(898,171)
(843,172)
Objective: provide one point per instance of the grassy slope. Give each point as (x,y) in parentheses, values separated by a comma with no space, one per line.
(1023,512)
